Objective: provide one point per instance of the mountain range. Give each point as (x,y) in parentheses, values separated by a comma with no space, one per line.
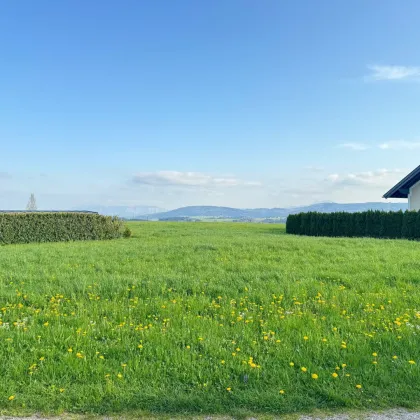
(264,213)
(155,213)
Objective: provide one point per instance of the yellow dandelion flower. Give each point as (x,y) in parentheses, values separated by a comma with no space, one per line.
(42,358)
(314,376)
(374,362)
(358,386)
(306,337)
(229,389)
(11,398)
(119,376)
(233,354)
(69,349)
(140,346)
(79,355)
(343,365)
(412,362)
(62,389)
(46,324)
(101,357)
(281,391)
(334,375)
(291,364)
(395,357)
(374,354)
(303,369)
(222,362)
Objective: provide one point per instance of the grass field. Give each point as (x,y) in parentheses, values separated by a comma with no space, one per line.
(212,318)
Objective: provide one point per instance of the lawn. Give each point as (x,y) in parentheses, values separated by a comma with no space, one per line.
(212,318)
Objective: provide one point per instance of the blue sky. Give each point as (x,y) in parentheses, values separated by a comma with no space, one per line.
(239,103)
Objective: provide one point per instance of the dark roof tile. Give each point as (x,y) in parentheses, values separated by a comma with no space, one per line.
(401,190)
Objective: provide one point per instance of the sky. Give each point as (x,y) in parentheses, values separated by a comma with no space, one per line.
(237,103)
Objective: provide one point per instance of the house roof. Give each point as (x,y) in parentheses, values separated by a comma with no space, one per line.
(402,189)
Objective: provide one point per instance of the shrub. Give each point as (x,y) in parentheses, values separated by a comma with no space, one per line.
(293,224)
(374,224)
(409,225)
(55,227)
(359,226)
(127,232)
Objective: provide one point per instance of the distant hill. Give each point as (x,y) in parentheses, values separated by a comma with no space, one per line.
(264,213)
(215,212)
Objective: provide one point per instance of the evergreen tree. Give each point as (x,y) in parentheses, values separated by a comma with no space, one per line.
(31,206)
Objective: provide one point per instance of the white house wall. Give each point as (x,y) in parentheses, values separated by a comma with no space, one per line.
(414,198)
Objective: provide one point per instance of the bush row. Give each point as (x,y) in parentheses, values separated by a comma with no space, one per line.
(374,224)
(55,227)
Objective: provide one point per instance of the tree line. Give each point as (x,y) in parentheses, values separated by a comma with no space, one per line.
(372,223)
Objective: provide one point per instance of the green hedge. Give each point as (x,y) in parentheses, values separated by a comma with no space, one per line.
(56,226)
(373,224)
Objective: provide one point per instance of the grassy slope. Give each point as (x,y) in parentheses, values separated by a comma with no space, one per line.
(178,310)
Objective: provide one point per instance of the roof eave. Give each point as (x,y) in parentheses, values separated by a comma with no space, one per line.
(396,194)
(400,190)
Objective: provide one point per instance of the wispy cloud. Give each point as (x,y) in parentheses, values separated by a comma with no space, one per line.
(354,146)
(400,145)
(188,179)
(379,72)
(377,178)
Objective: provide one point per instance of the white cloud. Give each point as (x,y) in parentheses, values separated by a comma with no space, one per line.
(378,178)
(400,145)
(333,177)
(354,146)
(188,179)
(379,72)
(172,189)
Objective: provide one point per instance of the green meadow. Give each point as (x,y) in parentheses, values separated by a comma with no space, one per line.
(209,318)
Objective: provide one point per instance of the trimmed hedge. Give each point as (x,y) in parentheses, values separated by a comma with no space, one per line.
(373,224)
(56,227)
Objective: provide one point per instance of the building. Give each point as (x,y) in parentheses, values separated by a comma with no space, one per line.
(408,187)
